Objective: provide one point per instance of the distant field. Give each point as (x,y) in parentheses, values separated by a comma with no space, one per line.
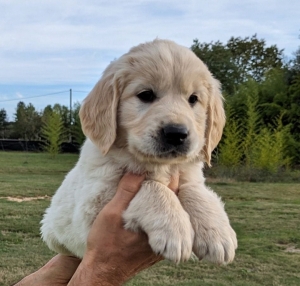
(265,216)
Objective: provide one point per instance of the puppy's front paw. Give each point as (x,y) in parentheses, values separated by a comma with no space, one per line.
(174,240)
(215,240)
(158,212)
(170,235)
(216,244)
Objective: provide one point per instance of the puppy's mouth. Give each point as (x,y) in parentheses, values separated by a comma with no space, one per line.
(164,157)
(169,151)
(161,152)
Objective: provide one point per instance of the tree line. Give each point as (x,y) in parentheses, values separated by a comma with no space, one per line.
(53,125)
(262,102)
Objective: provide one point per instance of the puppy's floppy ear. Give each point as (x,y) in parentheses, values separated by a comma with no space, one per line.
(215,120)
(98,114)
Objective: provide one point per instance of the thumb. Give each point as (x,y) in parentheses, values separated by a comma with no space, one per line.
(128,187)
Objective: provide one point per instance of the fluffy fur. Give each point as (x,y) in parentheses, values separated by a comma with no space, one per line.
(125,134)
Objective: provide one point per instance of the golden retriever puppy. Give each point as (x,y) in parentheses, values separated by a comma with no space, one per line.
(156,110)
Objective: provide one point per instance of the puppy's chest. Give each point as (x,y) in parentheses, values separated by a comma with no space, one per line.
(107,176)
(106,182)
(159,173)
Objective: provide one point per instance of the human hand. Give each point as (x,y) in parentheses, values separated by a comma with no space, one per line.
(114,254)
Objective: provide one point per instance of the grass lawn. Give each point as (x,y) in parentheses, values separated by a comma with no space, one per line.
(265,216)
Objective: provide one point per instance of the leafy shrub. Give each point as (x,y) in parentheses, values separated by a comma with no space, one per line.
(53,131)
(231,148)
(247,141)
(269,150)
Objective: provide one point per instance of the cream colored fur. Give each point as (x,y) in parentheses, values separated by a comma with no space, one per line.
(121,132)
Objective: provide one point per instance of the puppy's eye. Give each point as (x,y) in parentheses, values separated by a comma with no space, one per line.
(147,96)
(193,99)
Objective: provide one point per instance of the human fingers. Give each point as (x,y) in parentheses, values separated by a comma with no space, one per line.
(128,187)
(173,185)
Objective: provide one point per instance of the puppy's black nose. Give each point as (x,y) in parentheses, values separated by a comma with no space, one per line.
(175,134)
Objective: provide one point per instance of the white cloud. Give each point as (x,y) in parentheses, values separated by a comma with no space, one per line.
(71,41)
(19,95)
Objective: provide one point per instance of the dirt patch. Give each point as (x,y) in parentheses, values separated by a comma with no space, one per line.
(291,248)
(25,199)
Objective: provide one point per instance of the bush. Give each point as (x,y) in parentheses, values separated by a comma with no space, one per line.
(269,149)
(247,141)
(231,148)
(53,131)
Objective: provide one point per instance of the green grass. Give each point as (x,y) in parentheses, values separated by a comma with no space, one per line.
(266,217)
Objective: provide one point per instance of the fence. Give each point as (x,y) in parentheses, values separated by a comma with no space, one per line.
(34,146)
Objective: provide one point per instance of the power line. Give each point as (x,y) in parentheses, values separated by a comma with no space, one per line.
(22,98)
(80,91)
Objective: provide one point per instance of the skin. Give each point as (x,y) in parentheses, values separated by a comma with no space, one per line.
(113,256)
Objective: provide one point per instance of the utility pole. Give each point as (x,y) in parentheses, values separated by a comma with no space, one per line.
(70,135)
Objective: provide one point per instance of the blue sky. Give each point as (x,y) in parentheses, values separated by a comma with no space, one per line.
(50,46)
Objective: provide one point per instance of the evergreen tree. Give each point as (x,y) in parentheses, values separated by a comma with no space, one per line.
(53,132)
(3,122)
(77,132)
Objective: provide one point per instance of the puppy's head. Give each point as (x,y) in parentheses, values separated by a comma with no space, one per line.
(158,101)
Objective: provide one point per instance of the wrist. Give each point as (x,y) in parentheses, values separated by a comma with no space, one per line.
(94,272)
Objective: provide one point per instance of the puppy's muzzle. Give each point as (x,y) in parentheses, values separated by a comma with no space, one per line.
(174,134)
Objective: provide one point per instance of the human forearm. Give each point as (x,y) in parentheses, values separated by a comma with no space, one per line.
(57,272)
(92,273)
(29,280)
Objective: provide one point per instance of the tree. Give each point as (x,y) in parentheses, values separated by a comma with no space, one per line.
(66,117)
(3,122)
(238,60)
(28,121)
(259,87)
(274,96)
(3,117)
(52,132)
(231,150)
(296,60)
(293,114)
(253,58)
(47,110)
(76,128)
(218,59)
(64,113)
(248,139)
